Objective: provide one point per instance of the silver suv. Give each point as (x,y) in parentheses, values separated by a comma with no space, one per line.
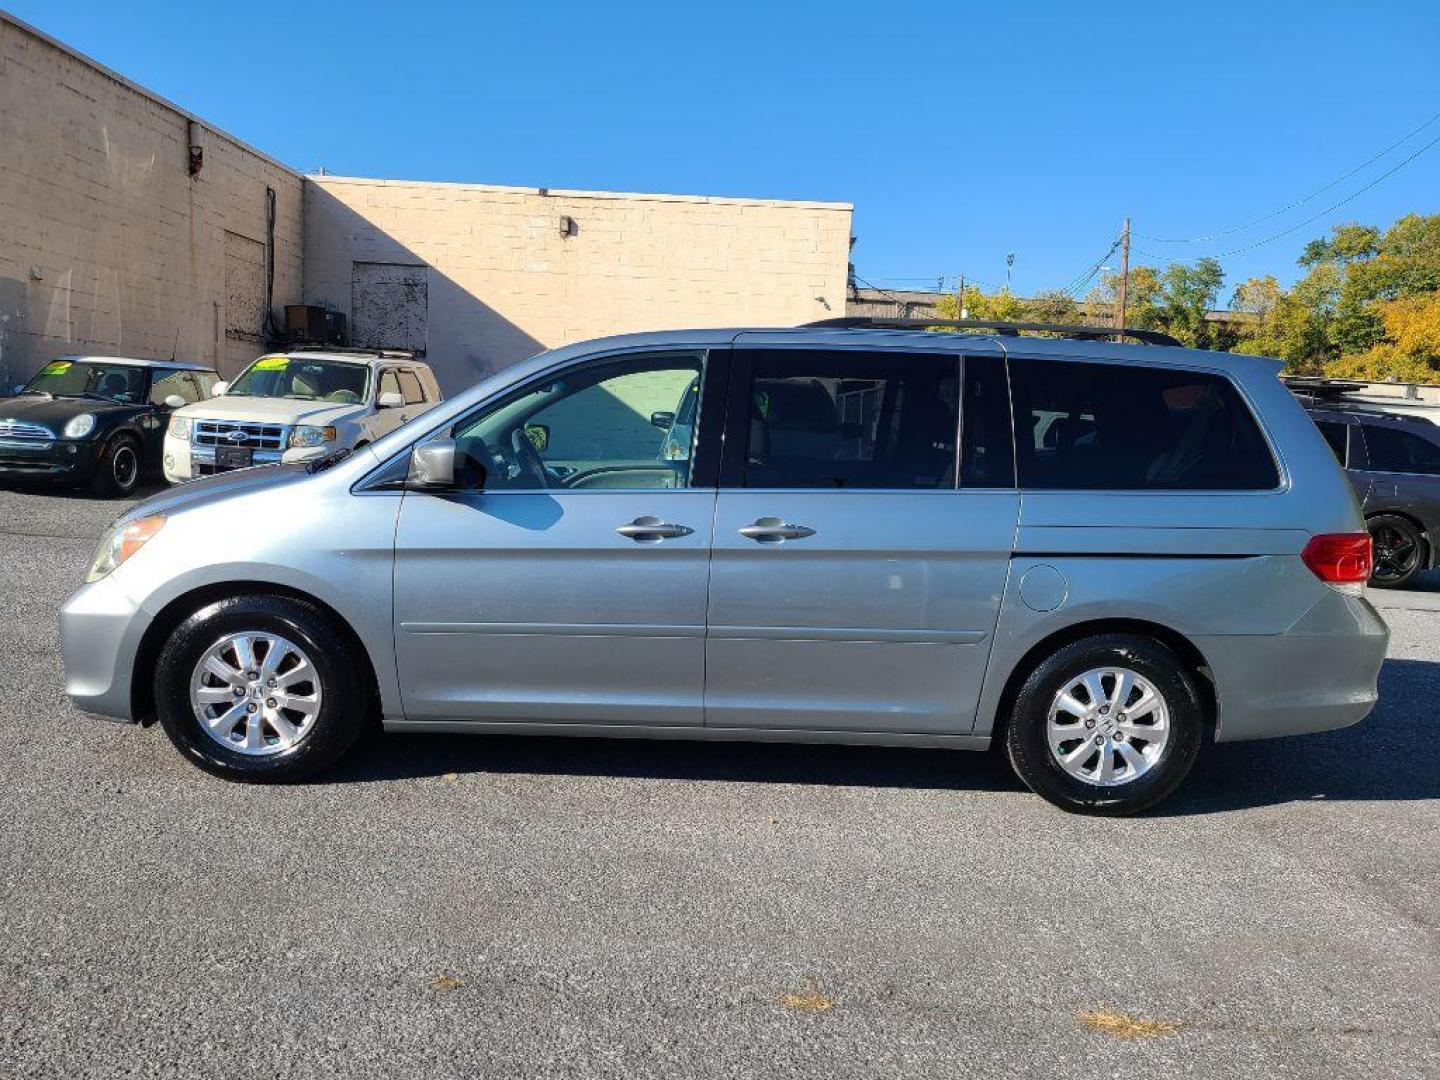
(1099,556)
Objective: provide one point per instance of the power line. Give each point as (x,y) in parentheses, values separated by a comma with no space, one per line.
(1311,220)
(1088,274)
(1299,202)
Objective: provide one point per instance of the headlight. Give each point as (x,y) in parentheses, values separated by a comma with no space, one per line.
(120,543)
(308,435)
(179,428)
(80,426)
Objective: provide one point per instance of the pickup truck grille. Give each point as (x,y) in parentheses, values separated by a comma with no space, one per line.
(19,429)
(239,433)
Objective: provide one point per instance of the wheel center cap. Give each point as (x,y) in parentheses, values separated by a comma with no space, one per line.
(257,691)
(1107,725)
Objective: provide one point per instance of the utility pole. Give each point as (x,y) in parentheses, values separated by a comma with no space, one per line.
(960,300)
(1124,273)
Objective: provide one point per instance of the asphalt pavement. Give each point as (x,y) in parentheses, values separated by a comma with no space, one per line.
(521,907)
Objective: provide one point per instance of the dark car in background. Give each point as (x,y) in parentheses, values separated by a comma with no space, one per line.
(1393,461)
(97,421)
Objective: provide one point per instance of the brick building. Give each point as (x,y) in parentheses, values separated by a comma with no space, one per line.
(130,226)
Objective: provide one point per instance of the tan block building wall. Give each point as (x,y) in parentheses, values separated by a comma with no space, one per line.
(491,279)
(107,245)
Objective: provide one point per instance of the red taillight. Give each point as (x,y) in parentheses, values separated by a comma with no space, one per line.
(1339,558)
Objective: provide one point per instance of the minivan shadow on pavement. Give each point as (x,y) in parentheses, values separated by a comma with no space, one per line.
(1389,756)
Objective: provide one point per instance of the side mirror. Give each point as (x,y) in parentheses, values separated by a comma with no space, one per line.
(175,401)
(390,400)
(663,420)
(219,388)
(539,436)
(19,386)
(432,466)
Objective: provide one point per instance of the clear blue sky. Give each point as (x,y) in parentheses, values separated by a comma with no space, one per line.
(960,131)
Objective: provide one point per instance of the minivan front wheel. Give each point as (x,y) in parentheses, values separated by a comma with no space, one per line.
(260,688)
(1109,724)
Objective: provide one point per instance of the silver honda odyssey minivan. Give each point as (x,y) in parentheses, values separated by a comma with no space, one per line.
(1098,556)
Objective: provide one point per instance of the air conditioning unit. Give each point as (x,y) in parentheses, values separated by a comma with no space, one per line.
(310,324)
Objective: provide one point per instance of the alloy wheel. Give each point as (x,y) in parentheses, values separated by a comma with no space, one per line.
(125,466)
(1396,554)
(1108,726)
(255,693)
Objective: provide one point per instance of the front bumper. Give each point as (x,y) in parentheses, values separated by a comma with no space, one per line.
(41,459)
(100,633)
(182,461)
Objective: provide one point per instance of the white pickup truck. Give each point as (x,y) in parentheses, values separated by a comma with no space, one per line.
(296,406)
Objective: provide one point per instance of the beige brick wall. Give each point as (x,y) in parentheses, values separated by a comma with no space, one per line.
(503,283)
(107,245)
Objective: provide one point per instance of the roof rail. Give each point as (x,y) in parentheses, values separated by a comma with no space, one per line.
(1321,389)
(1008,329)
(394,354)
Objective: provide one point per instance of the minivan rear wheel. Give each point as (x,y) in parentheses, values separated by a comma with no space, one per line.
(1109,724)
(260,688)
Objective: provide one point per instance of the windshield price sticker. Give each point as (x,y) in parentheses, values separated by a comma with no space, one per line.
(57,367)
(272,363)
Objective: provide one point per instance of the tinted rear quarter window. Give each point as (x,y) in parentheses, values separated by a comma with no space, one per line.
(1128,427)
(1395,450)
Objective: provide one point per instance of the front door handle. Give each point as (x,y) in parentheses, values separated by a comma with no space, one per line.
(772,530)
(651,530)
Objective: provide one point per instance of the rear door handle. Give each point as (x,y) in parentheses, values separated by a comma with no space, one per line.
(772,530)
(651,530)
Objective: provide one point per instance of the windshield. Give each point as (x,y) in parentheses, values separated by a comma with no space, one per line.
(303,378)
(89,378)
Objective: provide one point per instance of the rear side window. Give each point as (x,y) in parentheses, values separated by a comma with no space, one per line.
(1393,450)
(410,386)
(1118,427)
(1334,435)
(829,420)
(987,447)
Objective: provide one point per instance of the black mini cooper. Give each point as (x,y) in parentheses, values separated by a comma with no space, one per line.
(95,420)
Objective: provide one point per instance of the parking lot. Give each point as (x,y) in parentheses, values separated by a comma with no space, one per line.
(538,907)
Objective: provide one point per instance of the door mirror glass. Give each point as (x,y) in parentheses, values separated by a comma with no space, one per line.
(390,400)
(432,466)
(219,388)
(663,420)
(175,401)
(539,436)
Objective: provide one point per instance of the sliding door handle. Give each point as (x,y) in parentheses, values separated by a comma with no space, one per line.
(651,530)
(771,530)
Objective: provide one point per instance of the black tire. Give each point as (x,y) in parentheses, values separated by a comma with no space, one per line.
(346,705)
(1035,762)
(1401,551)
(117,469)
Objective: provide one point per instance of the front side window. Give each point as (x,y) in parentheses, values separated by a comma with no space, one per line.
(828,420)
(1394,450)
(610,425)
(1122,427)
(89,379)
(304,379)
